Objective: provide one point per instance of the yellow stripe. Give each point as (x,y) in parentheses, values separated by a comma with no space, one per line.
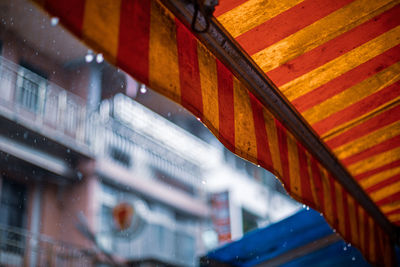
(340,208)
(379,177)
(353,94)
(320,32)
(340,65)
(273,142)
(312,183)
(362,228)
(371,243)
(353,219)
(101,26)
(394,217)
(209,87)
(368,141)
(294,168)
(390,207)
(326,187)
(374,161)
(163,54)
(253,13)
(385,191)
(245,137)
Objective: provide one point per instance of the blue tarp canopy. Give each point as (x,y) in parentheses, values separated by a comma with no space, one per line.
(304,239)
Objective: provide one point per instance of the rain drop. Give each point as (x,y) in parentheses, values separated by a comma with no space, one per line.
(143,89)
(353,258)
(54,21)
(99,58)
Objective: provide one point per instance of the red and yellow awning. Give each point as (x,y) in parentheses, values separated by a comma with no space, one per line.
(337,62)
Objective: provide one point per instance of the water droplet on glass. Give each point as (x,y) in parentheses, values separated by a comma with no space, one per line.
(304,206)
(203,182)
(143,89)
(169,114)
(54,21)
(349,245)
(258,166)
(353,258)
(307,208)
(345,248)
(99,58)
(89,56)
(80,175)
(68,150)
(198,119)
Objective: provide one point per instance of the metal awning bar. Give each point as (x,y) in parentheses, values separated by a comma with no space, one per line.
(228,51)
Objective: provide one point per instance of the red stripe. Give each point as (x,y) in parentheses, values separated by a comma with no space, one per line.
(189,74)
(318,183)
(389,199)
(70,13)
(304,177)
(377,122)
(226,5)
(134,34)
(384,183)
(226,106)
(347,79)
(263,152)
(347,233)
(359,108)
(284,153)
(369,173)
(387,145)
(287,23)
(335,47)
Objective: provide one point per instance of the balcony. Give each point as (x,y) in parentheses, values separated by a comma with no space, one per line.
(19,247)
(34,108)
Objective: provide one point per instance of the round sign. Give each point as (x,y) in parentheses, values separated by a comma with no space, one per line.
(128,219)
(122,214)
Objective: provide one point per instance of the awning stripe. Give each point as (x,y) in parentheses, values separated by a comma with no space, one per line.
(335,47)
(281,26)
(347,80)
(133,44)
(181,68)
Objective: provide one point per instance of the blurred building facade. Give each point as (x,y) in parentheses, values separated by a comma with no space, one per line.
(71,146)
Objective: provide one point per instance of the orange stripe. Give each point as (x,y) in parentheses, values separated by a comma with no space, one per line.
(314,189)
(163,54)
(353,219)
(372,239)
(245,137)
(101,22)
(307,195)
(316,176)
(287,23)
(209,88)
(189,74)
(362,226)
(336,47)
(340,209)
(273,141)
(226,108)
(327,192)
(283,152)
(294,168)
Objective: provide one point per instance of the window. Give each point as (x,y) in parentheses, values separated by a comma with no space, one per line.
(31,88)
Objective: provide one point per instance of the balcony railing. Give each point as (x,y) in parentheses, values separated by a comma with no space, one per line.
(19,247)
(41,105)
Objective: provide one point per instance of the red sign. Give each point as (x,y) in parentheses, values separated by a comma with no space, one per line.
(122,214)
(220,216)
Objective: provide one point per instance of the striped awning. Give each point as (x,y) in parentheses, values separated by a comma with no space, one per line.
(335,61)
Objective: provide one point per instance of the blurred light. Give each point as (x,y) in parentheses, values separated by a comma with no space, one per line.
(54,21)
(99,58)
(143,89)
(89,56)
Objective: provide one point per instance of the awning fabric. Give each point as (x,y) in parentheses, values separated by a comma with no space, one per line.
(264,245)
(336,61)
